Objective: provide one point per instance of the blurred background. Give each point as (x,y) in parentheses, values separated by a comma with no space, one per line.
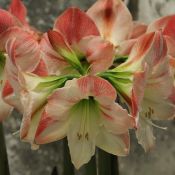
(24,161)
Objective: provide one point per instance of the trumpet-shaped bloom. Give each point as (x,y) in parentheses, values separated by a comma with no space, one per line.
(75,43)
(23,46)
(34,93)
(115,24)
(23,54)
(144,79)
(85,111)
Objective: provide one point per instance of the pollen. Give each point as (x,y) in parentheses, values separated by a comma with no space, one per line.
(149,112)
(79,136)
(87,136)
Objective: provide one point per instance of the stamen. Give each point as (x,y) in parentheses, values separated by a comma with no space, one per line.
(153,124)
(79,136)
(87,136)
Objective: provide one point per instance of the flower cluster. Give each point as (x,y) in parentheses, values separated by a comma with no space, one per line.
(91,78)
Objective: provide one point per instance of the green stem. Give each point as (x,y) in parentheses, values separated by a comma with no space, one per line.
(114,165)
(68,166)
(90,167)
(4,168)
(107,164)
(104,163)
(133,7)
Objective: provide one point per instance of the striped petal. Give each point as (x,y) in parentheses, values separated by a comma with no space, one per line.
(55,63)
(80,26)
(24,48)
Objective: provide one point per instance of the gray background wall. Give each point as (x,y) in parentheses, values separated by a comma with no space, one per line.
(23,161)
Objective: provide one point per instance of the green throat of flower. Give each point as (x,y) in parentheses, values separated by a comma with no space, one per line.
(86,112)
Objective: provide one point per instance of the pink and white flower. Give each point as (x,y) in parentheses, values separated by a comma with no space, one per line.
(114,21)
(142,81)
(75,43)
(85,111)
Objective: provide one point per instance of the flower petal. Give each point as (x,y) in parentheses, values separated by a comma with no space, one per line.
(7,20)
(70,30)
(138,30)
(145,135)
(9,96)
(116,119)
(60,45)
(9,33)
(82,131)
(29,127)
(166,24)
(113,19)
(34,94)
(18,9)
(5,110)
(50,130)
(99,57)
(125,47)
(114,144)
(41,69)
(23,48)
(54,62)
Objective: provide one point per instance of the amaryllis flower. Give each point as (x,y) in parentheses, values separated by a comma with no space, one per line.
(115,24)
(23,54)
(85,111)
(113,20)
(22,44)
(146,77)
(75,43)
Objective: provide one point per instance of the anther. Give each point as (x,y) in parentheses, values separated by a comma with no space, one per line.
(79,136)
(87,136)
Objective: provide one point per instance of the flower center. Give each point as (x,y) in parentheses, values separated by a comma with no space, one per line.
(87,111)
(148,113)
